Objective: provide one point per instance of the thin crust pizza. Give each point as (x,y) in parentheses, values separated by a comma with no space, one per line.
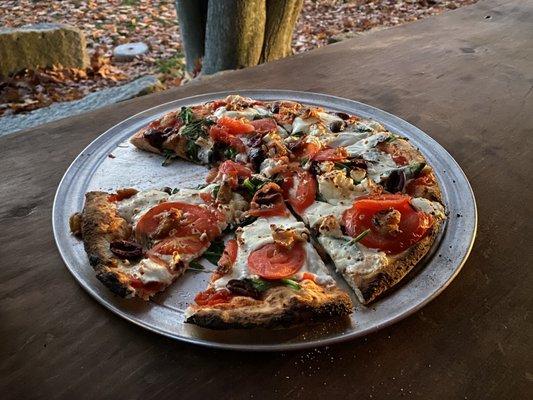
(289,187)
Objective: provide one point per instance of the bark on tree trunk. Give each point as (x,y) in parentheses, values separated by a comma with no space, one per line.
(192,18)
(231,34)
(281,17)
(234,34)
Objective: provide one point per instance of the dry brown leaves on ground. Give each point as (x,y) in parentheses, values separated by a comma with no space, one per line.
(109,23)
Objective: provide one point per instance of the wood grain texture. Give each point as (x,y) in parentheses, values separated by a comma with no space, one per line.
(465,79)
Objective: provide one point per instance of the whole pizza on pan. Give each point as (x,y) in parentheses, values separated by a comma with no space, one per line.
(290,188)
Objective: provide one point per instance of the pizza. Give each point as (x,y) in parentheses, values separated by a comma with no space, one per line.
(270,274)
(139,242)
(290,188)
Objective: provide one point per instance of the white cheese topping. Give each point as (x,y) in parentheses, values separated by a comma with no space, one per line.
(429,207)
(346,138)
(149,271)
(380,165)
(257,235)
(189,196)
(268,166)
(353,258)
(249,113)
(362,146)
(337,188)
(133,208)
(317,211)
(302,125)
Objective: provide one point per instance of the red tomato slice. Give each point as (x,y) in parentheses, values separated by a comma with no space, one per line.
(149,286)
(206,197)
(336,154)
(309,276)
(122,194)
(300,190)
(400,160)
(307,150)
(232,168)
(229,254)
(221,134)
(413,224)
(233,172)
(276,262)
(424,180)
(180,245)
(264,125)
(235,126)
(193,220)
(212,297)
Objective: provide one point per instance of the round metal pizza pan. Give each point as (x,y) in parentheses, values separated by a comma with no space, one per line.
(110,162)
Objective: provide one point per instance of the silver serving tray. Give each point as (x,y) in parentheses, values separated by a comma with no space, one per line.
(110,162)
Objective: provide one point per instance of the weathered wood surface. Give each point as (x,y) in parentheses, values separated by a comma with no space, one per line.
(466,78)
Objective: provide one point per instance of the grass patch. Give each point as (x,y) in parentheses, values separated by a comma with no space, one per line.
(171,66)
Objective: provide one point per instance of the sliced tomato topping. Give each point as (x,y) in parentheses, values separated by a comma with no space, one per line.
(412,227)
(300,189)
(221,134)
(233,172)
(276,262)
(336,154)
(235,126)
(217,104)
(206,197)
(264,125)
(308,276)
(400,160)
(229,255)
(212,297)
(122,194)
(148,286)
(180,245)
(183,219)
(424,180)
(306,150)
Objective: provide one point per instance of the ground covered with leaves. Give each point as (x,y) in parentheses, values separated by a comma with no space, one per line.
(109,23)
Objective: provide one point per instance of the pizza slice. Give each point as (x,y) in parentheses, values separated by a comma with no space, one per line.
(220,130)
(377,240)
(139,242)
(270,275)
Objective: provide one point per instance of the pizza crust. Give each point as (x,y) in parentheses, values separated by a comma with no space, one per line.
(370,287)
(281,306)
(101,224)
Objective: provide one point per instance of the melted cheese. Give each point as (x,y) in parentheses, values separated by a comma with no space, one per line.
(269,165)
(148,271)
(249,113)
(133,208)
(317,211)
(257,235)
(353,258)
(429,207)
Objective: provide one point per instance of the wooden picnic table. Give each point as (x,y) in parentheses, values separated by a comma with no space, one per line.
(465,78)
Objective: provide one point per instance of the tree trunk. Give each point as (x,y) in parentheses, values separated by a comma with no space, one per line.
(281,18)
(234,34)
(192,18)
(230,34)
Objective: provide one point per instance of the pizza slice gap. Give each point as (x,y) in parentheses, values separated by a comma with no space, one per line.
(270,275)
(140,242)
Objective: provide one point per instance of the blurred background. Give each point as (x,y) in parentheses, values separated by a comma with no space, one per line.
(127,48)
